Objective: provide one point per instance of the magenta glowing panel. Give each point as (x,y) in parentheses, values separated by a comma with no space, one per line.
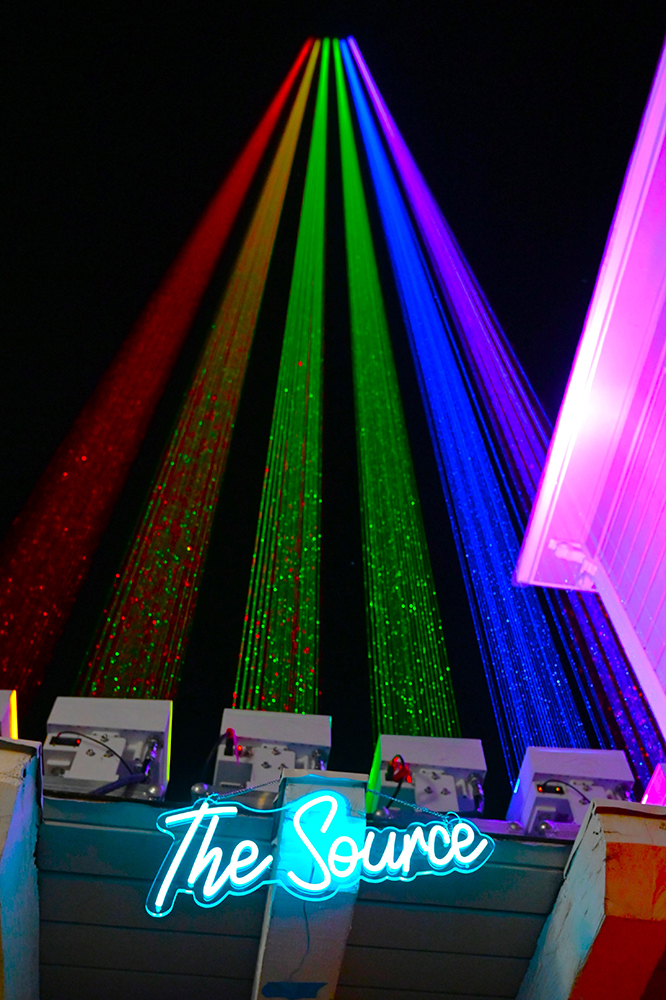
(599,518)
(655,793)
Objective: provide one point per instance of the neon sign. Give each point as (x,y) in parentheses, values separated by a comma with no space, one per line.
(323,848)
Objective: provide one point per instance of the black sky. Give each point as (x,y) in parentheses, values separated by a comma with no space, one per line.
(122,119)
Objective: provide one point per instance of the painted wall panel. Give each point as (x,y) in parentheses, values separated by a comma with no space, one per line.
(398,969)
(379,993)
(100,947)
(428,928)
(80,899)
(492,888)
(64,983)
(599,517)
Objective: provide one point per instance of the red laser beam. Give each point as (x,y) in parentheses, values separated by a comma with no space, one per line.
(48,550)
(139,648)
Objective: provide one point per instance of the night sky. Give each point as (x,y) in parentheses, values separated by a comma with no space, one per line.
(123,118)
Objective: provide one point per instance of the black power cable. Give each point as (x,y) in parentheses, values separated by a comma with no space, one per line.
(210,756)
(559,781)
(228,737)
(134,777)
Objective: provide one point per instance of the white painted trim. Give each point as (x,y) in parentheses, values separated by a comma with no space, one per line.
(633,647)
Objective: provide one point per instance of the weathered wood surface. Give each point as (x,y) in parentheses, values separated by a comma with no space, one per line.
(460,930)
(370,993)
(607,931)
(78,983)
(116,902)
(102,947)
(508,888)
(20,781)
(397,968)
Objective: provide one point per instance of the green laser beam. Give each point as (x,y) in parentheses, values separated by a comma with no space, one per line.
(279,657)
(411,688)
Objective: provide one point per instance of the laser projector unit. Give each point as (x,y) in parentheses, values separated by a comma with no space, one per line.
(445,775)
(108,746)
(256,747)
(555,787)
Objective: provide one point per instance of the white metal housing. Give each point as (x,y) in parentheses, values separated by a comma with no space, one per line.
(128,727)
(447,774)
(581,775)
(267,744)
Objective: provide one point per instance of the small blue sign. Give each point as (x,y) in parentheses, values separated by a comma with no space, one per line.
(292,991)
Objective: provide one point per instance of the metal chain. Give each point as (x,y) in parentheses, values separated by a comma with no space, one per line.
(244,791)
(408,805)
(448,816)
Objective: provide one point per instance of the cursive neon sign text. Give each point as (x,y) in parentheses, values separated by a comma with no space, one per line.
(323,848)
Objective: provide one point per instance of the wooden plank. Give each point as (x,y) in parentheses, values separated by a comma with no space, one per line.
(100,850)
(464,931)
(125,948)
(139,816)
(106,851)
(71,983)
(131,815)
(120,903)
(84,899)
(395,968)
(493,887)
(531,853)
(368,993)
